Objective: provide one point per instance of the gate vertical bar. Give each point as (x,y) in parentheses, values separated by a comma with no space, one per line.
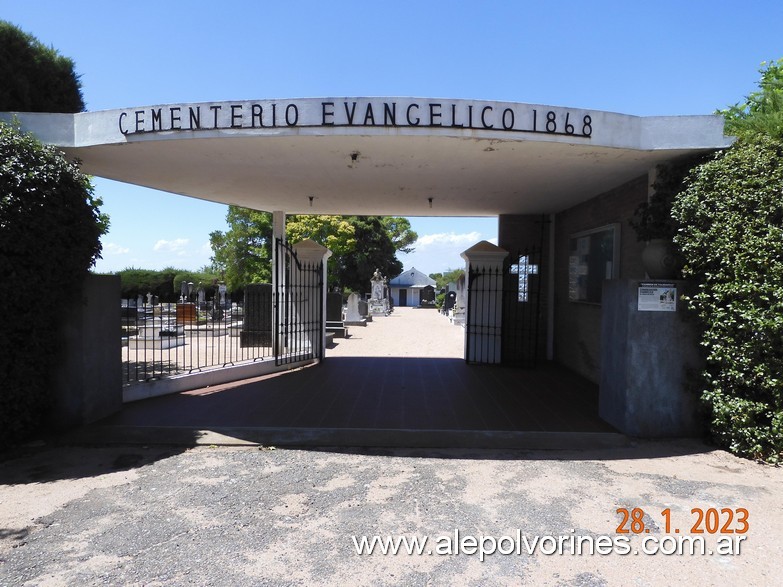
(279,262)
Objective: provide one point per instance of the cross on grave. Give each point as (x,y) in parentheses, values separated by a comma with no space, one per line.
(523,268)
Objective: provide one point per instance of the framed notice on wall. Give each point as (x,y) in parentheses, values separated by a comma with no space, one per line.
(591,261)
(657,297)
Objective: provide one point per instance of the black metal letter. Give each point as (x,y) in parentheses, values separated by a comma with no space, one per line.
(215,110)
(288,117)
(119,123)
(349,113)
(195,117)
(235,116)
(156,117)
(325,113)
(454,117)
(484,119)
(408,115)
(434,115)
(175,118)
(256,112)
(390,114)
(139,121)
(369,117)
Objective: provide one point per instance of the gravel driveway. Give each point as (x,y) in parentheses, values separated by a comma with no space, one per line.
(258,516)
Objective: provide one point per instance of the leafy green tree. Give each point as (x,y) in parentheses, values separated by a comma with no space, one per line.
(399,230)
(334,232)
(762,111)
(731,236)
(443,279)
(35,78)
(359,245)
(243,254)
(374,250)
(50,229)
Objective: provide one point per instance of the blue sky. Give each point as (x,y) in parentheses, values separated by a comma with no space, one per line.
(644,58)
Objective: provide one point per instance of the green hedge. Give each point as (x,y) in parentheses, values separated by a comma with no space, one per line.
(731,235)
(49,237)
(165,284)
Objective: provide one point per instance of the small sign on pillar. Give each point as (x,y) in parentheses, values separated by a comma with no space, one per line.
(657,297)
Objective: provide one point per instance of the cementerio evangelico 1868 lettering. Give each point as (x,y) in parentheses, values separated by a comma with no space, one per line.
(361,112)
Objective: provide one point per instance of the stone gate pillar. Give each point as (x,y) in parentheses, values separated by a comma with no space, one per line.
(310,253)
(278,277)
(483,325)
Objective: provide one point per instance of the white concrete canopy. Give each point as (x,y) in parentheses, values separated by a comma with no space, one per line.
(368,156)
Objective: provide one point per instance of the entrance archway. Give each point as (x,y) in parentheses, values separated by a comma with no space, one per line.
(585,170)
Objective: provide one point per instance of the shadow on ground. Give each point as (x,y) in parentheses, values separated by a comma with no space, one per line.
(53,462)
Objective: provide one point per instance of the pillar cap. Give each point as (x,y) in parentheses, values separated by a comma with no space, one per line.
(312,250)
(484,252)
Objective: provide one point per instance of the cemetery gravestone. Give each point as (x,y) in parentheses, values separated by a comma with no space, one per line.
(353,316)
(364,311)
(334,314)
(449,301)
(460,305)
(258,319)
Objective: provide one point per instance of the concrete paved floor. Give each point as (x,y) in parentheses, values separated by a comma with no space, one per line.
(399,381)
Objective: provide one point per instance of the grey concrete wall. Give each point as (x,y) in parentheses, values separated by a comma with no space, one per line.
(87,385)
(646,358)
(577,325)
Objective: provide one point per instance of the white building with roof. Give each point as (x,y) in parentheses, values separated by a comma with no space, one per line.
(406,288)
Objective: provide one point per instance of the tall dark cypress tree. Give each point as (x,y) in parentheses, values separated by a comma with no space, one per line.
(34,77)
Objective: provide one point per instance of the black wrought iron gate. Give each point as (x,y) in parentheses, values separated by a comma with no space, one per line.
(522,329)
(504,308)
(298,307)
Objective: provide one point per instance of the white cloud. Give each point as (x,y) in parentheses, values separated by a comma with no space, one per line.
(177,246)
(115,249)
(448,239)
(439,252)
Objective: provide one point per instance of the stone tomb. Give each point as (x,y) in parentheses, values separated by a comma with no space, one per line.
(258,319)
(460,302)
(427,297)
(334,315)
(159,332)
(353,316)
(186,313)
